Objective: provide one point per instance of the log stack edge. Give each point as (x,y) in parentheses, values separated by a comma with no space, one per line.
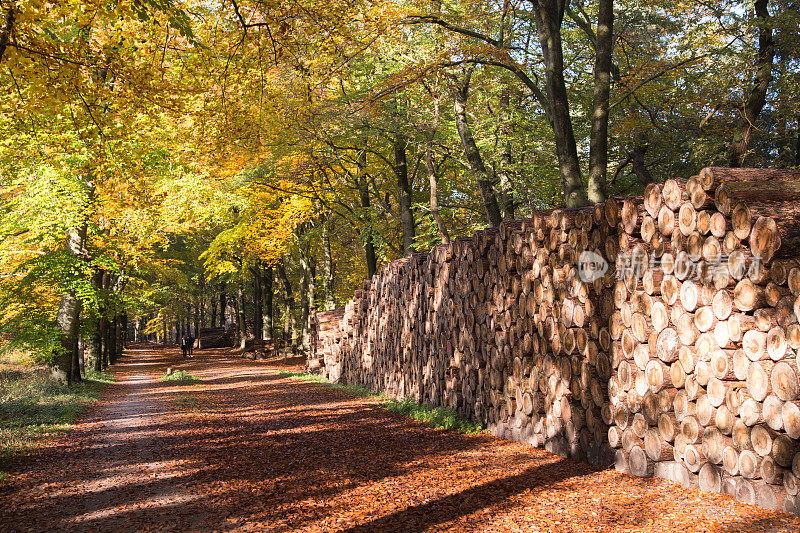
(679,360)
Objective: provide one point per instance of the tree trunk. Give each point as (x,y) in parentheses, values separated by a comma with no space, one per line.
(637,159)
(363,191)
(506,160)
(797,144)
(444,235)
(201,303)
(549,14)
(213,313)
(758,93)
(327,266)
(258,303)
(76,365)
(223,301)
(112,341)
(404,193)
(598,143)
(473,155)
(67,316)
(267,290)
(5,31)
(94,342)
(119,335)
(241,320)
(306,295)
(196,315)
(288,296)
(433,178)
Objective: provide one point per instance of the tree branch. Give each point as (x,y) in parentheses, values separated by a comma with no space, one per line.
(433,19)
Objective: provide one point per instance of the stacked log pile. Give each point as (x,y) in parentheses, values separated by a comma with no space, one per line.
(324,327)
(659,333)
(215,338)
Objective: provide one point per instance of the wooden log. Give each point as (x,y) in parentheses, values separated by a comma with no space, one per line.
(711,177)
(710,477)
(687,219)
(784,382)
(640,465)
(790,416)
(771,410)
(749,464)
(621,462)
(692,429)
(656,448)
(741,435)
(668,426)
(672,194)
(724,419)
(784,448)
(666,221)
(761,436)
(748,296)
(745,491)
(652,199)
(790,484)
(768,498)
(693,458)
(730,460)
(750,412)
(754,345)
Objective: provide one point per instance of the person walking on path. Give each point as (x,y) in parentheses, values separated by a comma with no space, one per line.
(186,345)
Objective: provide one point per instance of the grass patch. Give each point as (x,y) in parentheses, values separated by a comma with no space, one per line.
(437,417)
(180,377)
(33,407)
(187,402)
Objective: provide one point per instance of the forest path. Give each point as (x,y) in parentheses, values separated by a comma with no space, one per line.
(245,449)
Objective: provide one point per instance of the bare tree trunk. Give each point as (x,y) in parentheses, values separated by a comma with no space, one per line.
(506,160)
(306,295)
(241,319)
(797,144)
(76,356)
(258,303)
(213,304)
(223,301)
(93,339)
(434,200)
(758,93)
(69,309)
(598,143)
(327,266)
(637,159)
(288,296)
(267,290)
(434,180)
(473,155)
(549,14)
(363,192)
(5,31)
(404,193)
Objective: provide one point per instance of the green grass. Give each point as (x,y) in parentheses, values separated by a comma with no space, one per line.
(180,377)
(437,417)
(33,407)
(187,402)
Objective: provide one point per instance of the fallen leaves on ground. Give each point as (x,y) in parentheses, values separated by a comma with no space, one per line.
(247,450)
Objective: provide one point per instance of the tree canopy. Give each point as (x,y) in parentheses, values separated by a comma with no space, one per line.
(164,162)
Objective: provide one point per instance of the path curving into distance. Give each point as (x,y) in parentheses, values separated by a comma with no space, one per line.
(247,450)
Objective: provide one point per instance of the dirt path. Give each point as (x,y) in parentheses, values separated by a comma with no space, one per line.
(248,450)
